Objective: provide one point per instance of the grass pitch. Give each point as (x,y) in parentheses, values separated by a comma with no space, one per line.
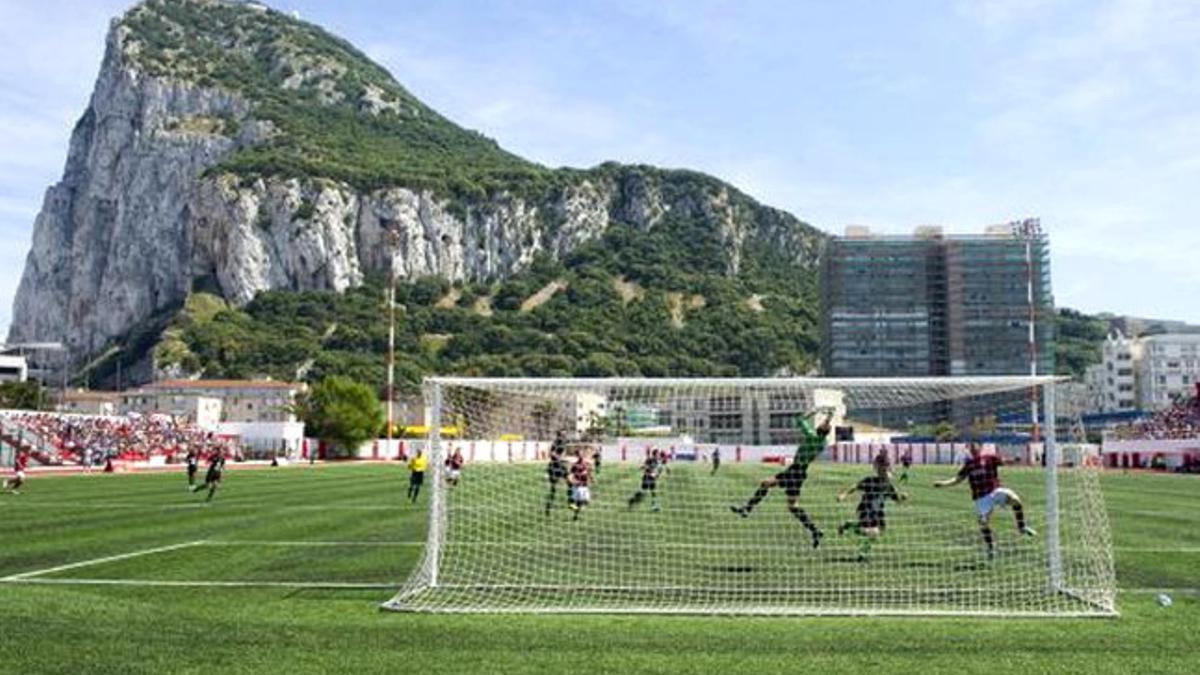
(285,572)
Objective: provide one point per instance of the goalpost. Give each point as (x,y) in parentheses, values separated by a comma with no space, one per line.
(501,541)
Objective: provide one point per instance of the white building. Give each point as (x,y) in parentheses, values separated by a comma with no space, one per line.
(750,416)
(13,369)
(202,411)
(1168,369)
(241,400)
(84,402)
(1112,383)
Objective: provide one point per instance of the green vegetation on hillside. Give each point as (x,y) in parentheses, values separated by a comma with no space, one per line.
(588,329)
(315,89)
(1079,338)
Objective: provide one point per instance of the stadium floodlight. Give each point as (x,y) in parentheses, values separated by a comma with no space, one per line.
(501,541)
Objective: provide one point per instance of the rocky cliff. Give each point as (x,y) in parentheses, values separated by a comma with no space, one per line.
(219,148)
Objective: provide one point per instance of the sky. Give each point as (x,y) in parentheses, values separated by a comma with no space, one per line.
(892,115)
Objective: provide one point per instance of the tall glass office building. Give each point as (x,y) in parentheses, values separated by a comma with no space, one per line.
(933,304)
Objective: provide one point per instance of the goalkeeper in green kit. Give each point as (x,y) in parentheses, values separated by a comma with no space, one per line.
(792,478)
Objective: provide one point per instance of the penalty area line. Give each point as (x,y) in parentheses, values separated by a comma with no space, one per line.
(331,585)
(27,576)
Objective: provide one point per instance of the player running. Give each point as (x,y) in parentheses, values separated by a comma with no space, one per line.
(580,480)
(906,464)
(20,463)
(871,522)
(416,474)
(212,480)
(193,465)
(716,461)
(792,478)
(454,465)
(556,468)
(983,474)
(650,469)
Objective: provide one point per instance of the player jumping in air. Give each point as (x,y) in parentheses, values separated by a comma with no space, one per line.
(871,522)
(416,474)
(20,463)
(193,464)
(580,480)
(556,468)
(983,474)
(212,480)
(650,469)
(454,465)
(792,478)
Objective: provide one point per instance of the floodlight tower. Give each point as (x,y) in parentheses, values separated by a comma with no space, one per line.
(1029,230)
(393,234)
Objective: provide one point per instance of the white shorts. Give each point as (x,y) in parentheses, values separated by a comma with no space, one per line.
(583,494)
(453,474)
(993,500)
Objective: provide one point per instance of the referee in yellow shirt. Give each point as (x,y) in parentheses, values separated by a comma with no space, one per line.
(416,475)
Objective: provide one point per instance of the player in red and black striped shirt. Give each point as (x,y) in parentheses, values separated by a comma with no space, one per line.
(982,472)
(580,480)
(454,465)
(20,462)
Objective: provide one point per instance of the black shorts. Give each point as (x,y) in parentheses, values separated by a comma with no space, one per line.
(416,478)
(556,473)
(212,477)
(871,518)
(192,470)
(791,480)
(649,482)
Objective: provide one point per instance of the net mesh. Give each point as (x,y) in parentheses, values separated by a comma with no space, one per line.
(505,538)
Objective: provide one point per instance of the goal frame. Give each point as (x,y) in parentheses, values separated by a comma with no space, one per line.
(426,575)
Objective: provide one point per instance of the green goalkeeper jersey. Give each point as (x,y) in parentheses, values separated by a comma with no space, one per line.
(811,445)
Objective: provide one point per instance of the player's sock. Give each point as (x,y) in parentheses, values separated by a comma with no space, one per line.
(807,522)
(1021,526)
(759,495)
(988,539)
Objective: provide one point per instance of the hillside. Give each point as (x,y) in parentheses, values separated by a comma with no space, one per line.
(585,325)
(235,154)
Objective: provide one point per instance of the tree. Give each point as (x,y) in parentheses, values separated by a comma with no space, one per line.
(341,412)
(21,396)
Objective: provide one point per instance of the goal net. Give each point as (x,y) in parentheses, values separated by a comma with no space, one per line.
(697,503)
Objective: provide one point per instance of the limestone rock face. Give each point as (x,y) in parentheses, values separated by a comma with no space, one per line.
(144,212)
(112,244)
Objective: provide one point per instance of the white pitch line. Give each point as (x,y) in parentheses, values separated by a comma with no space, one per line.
(1177,591)
(253,542)
(23,576)
(202,584)
(90,505)
(665,545)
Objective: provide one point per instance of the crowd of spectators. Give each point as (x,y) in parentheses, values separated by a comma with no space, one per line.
(1180,421)
(93,440)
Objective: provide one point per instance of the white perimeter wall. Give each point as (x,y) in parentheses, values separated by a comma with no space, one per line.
(635,450)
